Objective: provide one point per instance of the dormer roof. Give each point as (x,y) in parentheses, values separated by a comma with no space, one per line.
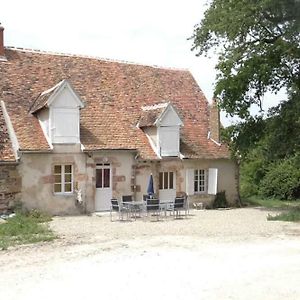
(46,97)
(154,115)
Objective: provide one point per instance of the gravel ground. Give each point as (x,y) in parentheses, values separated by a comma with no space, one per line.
(223,254)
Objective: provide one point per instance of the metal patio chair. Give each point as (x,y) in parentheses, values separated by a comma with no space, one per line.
(119,209)
(153,207)
(180,204)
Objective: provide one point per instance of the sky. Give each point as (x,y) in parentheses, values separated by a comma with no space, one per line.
(152,32)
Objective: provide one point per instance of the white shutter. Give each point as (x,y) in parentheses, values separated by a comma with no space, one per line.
(169,141)
(212,181)
(189,182)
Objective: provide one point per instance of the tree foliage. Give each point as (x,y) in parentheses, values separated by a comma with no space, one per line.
(269,151)
(282,179)
(258,46)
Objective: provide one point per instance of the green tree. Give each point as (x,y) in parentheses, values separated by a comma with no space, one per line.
(268,151)
(257,43)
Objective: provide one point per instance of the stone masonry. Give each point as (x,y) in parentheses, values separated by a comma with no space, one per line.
(10,186)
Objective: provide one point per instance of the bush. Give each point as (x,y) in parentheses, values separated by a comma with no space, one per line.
(282,180)
(220,200)
(252,171)
(39,216)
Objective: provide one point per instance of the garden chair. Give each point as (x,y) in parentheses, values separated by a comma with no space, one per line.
(127,198)
(119,209)
(180,204)
(153,207)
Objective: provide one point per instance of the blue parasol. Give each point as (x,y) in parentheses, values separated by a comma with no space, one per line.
(150,188)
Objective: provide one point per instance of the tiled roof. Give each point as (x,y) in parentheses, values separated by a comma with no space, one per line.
(6,151)
(43,97)
(114,94)
(149,114)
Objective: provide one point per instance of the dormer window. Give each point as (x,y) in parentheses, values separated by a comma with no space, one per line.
(168,137)
(161,123)
(58,112)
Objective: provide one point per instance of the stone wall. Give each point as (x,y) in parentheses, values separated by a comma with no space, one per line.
(10,186)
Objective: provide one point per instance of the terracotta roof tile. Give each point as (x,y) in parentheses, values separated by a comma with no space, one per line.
(149,114)
(43,97)
(113,93)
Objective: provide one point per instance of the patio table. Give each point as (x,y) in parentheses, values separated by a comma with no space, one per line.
(135,206)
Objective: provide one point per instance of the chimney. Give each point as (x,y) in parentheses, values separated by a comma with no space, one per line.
(214,121)
(2,54)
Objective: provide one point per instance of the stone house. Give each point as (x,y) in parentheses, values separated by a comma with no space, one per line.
(72,123)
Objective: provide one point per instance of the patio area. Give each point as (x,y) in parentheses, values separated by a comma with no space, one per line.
(211,254)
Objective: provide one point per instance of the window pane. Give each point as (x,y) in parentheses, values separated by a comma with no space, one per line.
(165,180)
(68,187)
(160,180)
(57,178)
(57,169)
(57,188)
(196,186)
(68,178)
(106,178)
(99,178)
(171,180)
(68,169)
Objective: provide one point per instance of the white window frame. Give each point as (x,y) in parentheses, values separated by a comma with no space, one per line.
(102,167)
(198,181)
(62,179)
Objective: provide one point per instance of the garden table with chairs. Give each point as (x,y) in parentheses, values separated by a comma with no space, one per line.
(149,206)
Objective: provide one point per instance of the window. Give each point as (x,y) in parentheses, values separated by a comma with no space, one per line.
(166,180)
(103,176)
(199,181)
(63,179)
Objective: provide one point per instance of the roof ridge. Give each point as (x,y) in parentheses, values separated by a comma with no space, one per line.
(21,49)
(155,106)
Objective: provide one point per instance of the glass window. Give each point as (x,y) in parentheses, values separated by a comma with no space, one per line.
(103,176)
(200,181)
(160,180)
(106,177)
(63,179)
(166,180)
(171,180)
(98,178)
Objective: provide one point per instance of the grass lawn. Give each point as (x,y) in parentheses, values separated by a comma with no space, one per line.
(25,229)
(289,210)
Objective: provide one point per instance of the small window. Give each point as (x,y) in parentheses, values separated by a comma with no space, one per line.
(103,176)
(199,181)
(166,180)
(63,179)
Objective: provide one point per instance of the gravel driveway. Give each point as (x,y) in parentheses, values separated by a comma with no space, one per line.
(223,254)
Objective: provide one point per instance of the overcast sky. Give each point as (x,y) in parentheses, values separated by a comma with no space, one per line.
(148,32)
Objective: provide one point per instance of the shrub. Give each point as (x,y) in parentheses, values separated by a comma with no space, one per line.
(282,180)
(220,200)
(39,216)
